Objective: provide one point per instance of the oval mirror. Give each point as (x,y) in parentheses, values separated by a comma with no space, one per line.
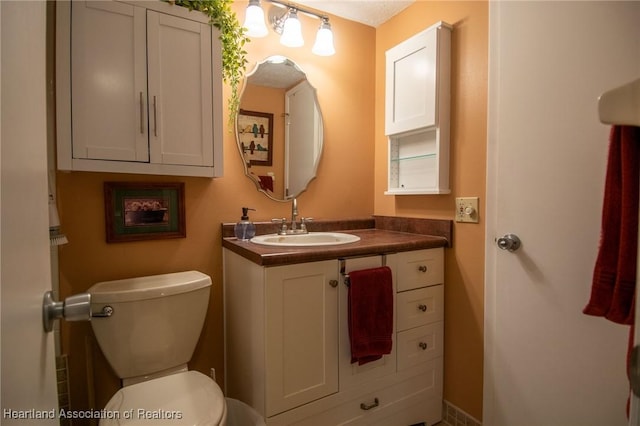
(279,128)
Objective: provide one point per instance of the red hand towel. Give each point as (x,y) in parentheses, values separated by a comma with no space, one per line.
(370,314)
(614,276)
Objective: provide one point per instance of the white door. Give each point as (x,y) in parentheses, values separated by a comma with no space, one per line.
(28,366)
(546,363)
(303,119)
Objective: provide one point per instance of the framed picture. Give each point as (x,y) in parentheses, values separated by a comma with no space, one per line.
(137,211)
(255,131)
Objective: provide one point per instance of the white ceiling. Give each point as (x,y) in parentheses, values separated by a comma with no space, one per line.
(372,13)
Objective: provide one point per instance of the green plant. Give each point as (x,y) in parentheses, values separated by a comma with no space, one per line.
(233,38)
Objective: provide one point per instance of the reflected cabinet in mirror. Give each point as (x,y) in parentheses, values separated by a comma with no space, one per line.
(279,128)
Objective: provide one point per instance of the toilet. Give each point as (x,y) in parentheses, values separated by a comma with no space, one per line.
(147,329)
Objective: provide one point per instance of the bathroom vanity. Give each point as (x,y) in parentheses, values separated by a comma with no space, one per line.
(287,340)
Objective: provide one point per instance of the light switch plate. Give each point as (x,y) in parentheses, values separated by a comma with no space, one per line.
(467,209)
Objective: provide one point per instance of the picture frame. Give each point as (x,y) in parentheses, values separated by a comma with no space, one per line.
(255,131)
(136,211)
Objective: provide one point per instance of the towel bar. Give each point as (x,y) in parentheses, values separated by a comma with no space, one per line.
(343,268)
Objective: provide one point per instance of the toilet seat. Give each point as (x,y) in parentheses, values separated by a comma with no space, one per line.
(183,399)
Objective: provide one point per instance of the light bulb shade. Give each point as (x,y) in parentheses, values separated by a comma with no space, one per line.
(324,41)
(292,31)
(254,20)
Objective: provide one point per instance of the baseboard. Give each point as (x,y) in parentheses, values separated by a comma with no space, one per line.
(454,416)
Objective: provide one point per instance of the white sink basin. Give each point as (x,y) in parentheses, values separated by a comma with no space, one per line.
(302,240)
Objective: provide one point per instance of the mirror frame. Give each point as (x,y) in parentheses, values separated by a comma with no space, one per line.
(320,143)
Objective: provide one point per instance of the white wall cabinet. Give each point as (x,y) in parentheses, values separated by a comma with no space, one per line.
(138,89)
(417,112)
(287,347)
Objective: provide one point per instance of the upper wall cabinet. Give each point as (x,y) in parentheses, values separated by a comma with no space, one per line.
(417,112)
(139,89)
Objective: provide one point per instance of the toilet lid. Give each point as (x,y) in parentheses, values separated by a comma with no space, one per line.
(183,399)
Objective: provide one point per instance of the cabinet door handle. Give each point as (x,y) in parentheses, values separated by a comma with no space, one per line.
(422,268)
(141,115)
(155,117)
(422,307)
(368,407)
(423,346)
(333,283)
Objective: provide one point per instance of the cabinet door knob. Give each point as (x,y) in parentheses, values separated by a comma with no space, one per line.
(423,346)
(367,407)
(422,268)
(333,283)
(422,307)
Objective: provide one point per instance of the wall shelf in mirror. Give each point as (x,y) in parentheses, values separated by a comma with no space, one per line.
(417,112)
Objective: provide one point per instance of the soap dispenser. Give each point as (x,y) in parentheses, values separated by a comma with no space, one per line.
(245,229)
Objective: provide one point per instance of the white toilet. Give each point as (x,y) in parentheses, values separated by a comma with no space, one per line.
(147,329)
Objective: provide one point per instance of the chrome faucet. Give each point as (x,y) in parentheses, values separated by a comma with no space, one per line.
(294,215)
(295,228)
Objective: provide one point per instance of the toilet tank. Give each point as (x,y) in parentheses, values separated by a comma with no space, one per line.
(155,323)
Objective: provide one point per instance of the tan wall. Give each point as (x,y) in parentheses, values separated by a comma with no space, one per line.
(345,84)
(464,276)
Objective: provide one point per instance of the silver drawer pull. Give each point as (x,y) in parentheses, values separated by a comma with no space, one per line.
(155,117)
(367,407)
(423,346)
(422,268)
(422,307)
(141,114)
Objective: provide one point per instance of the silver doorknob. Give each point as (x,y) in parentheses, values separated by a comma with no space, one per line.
(74,308)
(509,242)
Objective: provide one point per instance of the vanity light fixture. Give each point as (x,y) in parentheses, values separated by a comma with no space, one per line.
(324,40)
(254,20)
(292,30)
(288,26)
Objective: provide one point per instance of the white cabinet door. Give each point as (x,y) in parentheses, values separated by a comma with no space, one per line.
(411,83)
(180,90)
(301,331)
(109,84)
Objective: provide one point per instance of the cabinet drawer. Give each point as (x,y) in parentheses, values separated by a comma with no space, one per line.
(380,407)
(420,268)
(419,345)
(414,411)
(420,307)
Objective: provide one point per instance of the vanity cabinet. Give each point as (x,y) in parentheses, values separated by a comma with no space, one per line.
(287,347)
(139,89)
(417,110)
(281,333)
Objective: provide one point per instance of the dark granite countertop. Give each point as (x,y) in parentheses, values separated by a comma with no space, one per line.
(378,235)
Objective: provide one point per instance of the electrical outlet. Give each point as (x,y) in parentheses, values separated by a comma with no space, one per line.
(467,209)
